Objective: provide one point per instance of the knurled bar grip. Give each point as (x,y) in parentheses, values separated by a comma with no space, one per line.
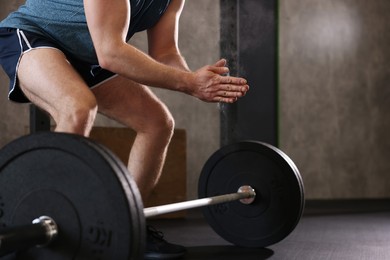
(159,210)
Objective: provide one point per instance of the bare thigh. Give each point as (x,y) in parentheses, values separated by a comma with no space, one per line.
(50,82)
(132,104)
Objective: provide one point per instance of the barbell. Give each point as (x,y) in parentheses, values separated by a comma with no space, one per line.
(64,196)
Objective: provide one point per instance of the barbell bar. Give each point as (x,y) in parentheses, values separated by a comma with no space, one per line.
(89,196)
(44,229)
(246,194)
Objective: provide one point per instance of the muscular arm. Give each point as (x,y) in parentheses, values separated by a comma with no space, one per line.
(108,24)
(163,38)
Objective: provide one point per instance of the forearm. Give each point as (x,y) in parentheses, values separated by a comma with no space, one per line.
(169,73)
(174,60)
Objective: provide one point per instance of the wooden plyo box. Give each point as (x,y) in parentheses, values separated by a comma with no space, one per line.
(172,185)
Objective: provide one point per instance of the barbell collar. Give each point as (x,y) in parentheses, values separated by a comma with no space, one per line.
(40,233)
(51,229)
(244,193)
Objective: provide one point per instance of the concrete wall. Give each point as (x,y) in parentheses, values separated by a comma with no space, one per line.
(335,95)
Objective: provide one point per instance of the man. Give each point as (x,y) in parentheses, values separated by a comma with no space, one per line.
(71,58)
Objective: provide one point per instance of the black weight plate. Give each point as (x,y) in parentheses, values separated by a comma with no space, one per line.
(82,186)
(137,210)
(279,190)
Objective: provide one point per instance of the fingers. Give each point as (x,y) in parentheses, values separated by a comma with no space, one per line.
(225,100)
(233,84)
(228,89)
(220,63)
(233,80)
(232,90)
(230,96)
(229,93)
(221,70)
(219,67)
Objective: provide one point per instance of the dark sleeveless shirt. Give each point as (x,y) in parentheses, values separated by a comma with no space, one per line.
(64,22)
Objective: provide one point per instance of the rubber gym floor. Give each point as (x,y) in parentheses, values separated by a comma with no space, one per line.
(333,230)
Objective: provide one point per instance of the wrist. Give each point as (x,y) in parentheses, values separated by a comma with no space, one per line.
(185,82)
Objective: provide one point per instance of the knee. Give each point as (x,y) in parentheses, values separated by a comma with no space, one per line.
(78,117)
(164,126)
(159,124)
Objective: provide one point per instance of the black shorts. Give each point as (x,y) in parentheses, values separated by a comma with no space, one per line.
(14,43)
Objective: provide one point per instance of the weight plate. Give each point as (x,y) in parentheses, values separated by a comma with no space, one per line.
(279,190)
(82,186)
(137,210)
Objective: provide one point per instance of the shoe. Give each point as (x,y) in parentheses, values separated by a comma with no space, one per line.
(158,248)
